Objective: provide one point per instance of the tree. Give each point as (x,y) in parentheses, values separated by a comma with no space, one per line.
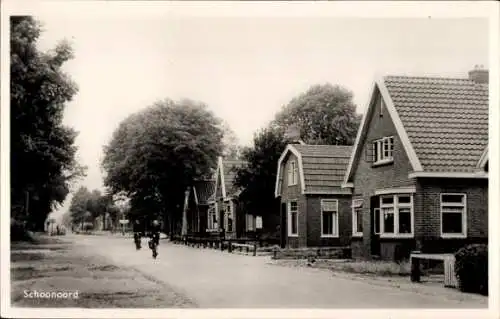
(155,154)
(258,177)
(79,206)
(42,149)
(324,114)
(231,147)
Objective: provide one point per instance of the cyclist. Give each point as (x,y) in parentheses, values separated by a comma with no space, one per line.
(154,242)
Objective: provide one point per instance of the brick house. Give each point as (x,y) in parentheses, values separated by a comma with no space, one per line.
(418,170)
(198,204)
(315,210)
(224,211)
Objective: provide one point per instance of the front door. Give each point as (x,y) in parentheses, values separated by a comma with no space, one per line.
(283,226)
(375,225)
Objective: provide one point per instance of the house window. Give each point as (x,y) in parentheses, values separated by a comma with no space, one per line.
(293,219)
(250,219)
(453,215)
(383,150)
(396,215)
(258,222)
(357,217)
(329,217)
(229,218)
(292,173)
(212,218)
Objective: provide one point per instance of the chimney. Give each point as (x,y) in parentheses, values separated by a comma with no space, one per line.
(293,133)
(479,75)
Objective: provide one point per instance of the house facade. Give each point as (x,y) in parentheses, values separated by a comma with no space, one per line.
(197,212)
(418,169)
(224,211)
(315,209)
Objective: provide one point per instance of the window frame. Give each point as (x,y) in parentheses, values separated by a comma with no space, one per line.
(335,224)
(464,215)
(289,218)
(396,207)
(356,206)
(292,173)
(379,152)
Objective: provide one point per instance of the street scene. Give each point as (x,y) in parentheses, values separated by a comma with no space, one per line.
(247,162)
(187,277)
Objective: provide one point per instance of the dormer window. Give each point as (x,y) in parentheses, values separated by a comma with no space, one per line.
(383,149)
(292,173)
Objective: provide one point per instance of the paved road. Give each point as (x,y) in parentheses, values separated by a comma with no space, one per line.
(215,279)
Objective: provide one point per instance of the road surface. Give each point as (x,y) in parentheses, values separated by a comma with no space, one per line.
(215,279)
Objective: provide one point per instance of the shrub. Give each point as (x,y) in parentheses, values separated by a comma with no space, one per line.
(471,267)
(18,231)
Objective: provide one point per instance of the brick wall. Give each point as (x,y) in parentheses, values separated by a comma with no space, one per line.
(314,238)
(428,212)
(289,193)
(368,178)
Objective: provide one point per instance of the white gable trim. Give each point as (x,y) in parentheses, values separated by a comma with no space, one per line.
(412,156)
(448,175)
(220,176)
(347,185)
(361,130)
(337,192)
(483,159)
(294,151)
(195,195)
(396,190)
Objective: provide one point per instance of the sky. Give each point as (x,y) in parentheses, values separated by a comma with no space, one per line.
(244,68)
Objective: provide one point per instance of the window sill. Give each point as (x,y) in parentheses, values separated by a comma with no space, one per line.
(452,236)
(396,236)
(329,236)
(293,235)
(357,234)
(382,163)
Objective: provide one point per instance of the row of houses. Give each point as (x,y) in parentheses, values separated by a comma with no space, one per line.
(416,177)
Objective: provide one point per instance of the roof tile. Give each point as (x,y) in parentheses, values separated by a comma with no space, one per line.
(446,119)
(324,166)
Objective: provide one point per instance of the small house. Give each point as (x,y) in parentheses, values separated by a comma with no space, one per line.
(197,212)
(419,167)
(315,209)
(224,212)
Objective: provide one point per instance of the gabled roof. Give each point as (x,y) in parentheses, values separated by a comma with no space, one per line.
(203,190)
(442,122)
(321,167)
(226,173)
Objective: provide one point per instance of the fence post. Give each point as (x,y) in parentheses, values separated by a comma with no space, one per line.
(255,249)
(415,268)
(230,246)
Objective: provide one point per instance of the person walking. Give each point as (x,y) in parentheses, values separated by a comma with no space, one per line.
(137,229)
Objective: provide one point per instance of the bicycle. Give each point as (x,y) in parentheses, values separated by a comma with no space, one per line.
(153,244)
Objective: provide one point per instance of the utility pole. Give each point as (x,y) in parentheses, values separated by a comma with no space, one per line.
(27,203)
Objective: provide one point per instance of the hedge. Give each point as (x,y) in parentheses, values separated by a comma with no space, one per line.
(471,267)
